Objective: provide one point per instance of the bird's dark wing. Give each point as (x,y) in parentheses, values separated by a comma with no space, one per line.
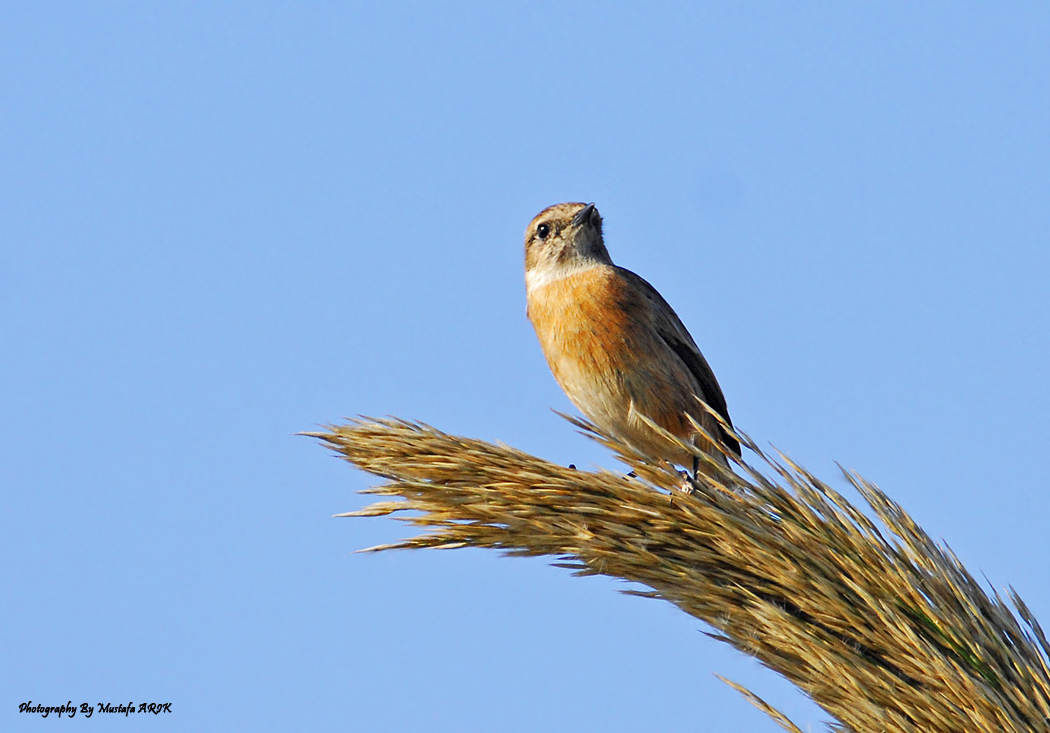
(675,335)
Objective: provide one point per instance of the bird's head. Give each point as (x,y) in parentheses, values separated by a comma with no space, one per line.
(562,239)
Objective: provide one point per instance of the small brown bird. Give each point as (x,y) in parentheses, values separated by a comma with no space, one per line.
(613,343)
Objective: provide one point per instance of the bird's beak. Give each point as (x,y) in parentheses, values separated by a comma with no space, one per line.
(583,216)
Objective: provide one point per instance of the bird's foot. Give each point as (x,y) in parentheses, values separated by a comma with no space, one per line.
(686,487)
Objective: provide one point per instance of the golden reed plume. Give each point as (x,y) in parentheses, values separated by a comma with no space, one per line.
(878,624)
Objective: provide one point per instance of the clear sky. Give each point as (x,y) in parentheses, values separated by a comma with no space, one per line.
(223,223)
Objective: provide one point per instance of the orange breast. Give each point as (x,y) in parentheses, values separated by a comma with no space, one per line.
(584,327)
(598,336)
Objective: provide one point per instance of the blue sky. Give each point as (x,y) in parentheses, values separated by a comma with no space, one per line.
(225,223)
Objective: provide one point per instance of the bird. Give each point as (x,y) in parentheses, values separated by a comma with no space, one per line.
(614,345)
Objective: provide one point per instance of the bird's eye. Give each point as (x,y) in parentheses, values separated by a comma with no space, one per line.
(543,230)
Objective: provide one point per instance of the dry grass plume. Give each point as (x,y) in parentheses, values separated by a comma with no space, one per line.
(880,625)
